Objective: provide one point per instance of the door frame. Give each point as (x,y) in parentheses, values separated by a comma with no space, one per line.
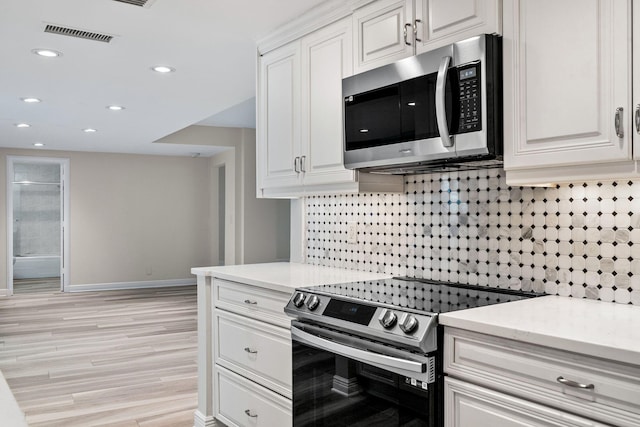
(64,215)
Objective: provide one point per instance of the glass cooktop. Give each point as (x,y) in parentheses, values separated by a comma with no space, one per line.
(423,295)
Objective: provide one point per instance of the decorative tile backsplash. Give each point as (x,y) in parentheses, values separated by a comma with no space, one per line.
(579,240)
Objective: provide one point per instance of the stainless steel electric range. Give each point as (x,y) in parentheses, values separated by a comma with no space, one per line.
(370,354)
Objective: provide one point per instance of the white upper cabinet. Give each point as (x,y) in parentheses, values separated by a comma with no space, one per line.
(567,87)
(383,31)
(635,130)
(388,30)
(278,121)
(326,60)
(440,22)
(300,123)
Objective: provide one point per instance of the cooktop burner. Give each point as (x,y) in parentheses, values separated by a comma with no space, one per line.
(423,295)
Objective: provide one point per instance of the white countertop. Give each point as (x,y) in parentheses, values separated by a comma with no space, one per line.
(286,276)
(589,327)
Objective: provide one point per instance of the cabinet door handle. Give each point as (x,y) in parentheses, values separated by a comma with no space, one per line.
(406,33)
(296,167)
(303,161)
(618,122)
(637,118)
(248,301)
(415,30)
(249,414)
(564,381)
(250,351)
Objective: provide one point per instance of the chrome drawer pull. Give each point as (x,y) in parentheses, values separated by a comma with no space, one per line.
(248,350)
(564,381)
(248,412)
(248,301)
(618,122)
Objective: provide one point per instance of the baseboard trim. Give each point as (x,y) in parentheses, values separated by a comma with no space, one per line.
(131,285)
(4,292)
(200,420)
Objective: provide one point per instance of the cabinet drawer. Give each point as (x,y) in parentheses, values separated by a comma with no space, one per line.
(240,402)
(471,405)
(262,304)
(253,349)
(532,372)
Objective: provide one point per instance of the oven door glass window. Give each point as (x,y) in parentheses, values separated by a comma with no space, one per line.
(335,391)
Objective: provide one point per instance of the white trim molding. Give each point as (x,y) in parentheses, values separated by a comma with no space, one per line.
(132,285)
(4,293)
(200,420)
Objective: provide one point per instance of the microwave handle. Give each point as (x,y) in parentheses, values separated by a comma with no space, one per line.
(441,94)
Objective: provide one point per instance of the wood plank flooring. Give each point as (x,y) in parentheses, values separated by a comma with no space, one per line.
(24,286)
(113,358)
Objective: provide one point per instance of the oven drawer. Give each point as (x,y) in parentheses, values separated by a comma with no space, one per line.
(253,349)
(263,304)
(240,402)
(546,375)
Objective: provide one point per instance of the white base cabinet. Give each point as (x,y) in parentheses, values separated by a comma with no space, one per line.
(494,378)
(243,403)
(252,355)
(469,405)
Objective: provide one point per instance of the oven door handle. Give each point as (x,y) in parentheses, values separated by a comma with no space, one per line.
(380,360)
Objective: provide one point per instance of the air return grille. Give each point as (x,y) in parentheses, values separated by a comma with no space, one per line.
(140,3)
(81,34)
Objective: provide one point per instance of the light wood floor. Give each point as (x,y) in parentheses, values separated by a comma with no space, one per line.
(27,286)
(117,358)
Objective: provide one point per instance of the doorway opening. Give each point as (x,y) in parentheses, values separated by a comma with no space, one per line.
(37,224)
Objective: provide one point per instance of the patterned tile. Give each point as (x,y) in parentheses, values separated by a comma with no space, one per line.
(580,240)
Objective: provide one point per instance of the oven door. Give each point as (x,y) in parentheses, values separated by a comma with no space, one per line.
(337,382)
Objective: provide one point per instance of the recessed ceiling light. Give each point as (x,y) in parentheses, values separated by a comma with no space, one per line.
(47,53)
(38,144)
(89,130)
(31,100)
(23,125)
(163,69)
(115,107)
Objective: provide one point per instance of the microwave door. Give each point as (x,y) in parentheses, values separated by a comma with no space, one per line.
(373,118)
(420,100)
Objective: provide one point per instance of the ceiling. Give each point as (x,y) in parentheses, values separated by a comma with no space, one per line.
(211,44)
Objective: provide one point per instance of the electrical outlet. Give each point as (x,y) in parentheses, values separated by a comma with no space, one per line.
(352,233)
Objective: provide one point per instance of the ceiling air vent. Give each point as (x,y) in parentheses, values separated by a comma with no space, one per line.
(81,34)
(140,3)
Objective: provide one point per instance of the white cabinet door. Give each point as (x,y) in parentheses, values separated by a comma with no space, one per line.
(441,22)
(279,117)
(326,59)
(567,70)
(471,405)
(379,29)
(635,127)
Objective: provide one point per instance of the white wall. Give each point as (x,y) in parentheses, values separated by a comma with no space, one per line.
(130,215)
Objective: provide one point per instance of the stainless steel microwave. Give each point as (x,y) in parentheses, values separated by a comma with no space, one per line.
(438,110)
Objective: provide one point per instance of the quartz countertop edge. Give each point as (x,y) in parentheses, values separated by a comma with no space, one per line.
(286,276)
(589,327)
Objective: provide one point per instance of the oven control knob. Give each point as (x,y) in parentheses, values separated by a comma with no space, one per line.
(298,299)
(387,319)
(312,302)
(408,323)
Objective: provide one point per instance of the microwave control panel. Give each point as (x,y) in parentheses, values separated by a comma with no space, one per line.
(470,98)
